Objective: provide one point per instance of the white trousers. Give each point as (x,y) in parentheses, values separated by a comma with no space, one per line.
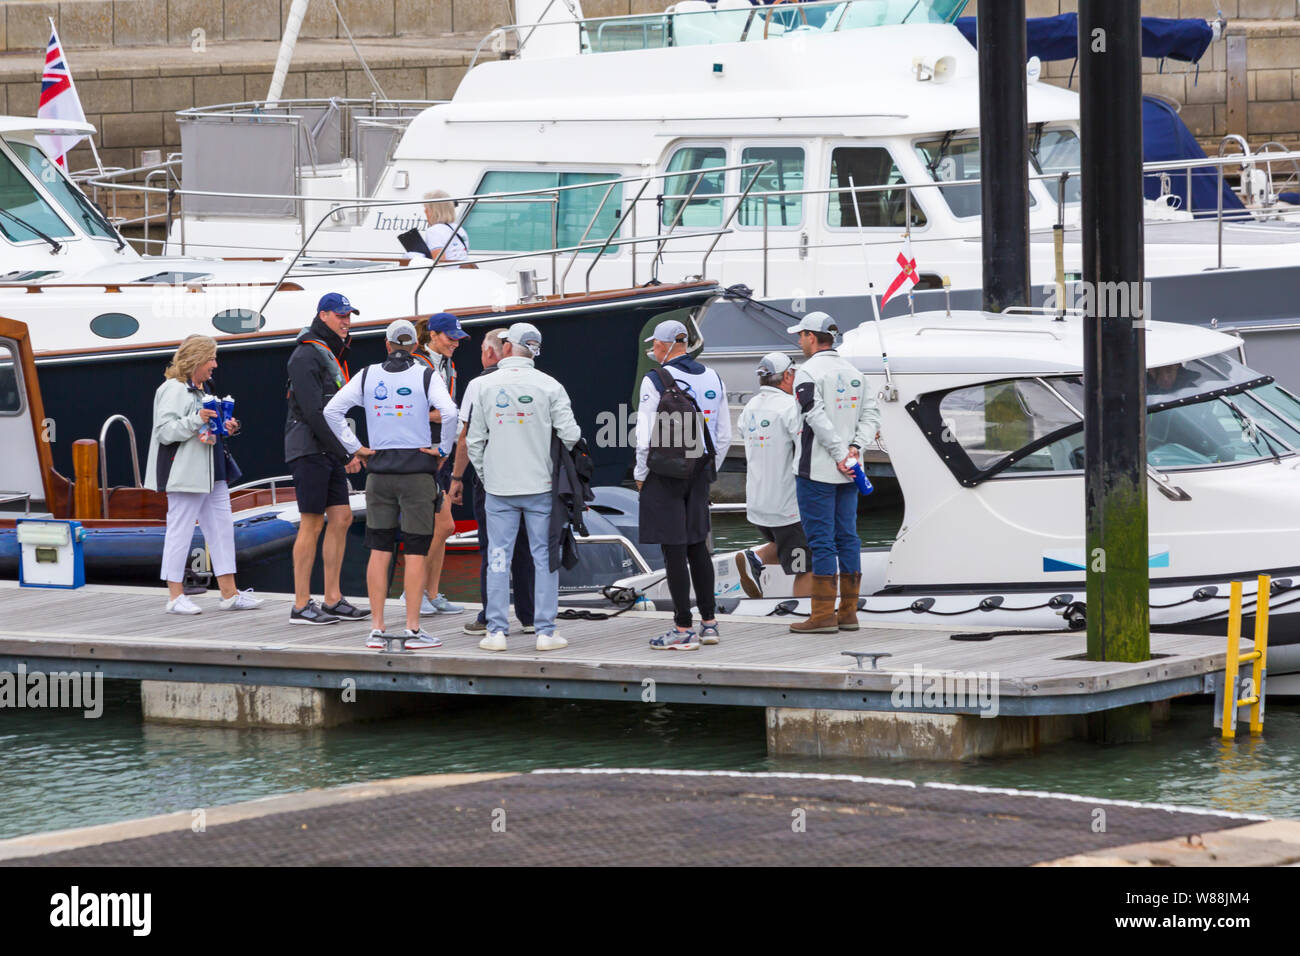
(212,512)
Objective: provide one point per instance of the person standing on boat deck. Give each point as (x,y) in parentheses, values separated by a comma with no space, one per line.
(189,462)
(495,347)
(838,417)
(674,510)
(519,407)
(396,396)
(770,426)
(318,368)
(439,335)
(440,213)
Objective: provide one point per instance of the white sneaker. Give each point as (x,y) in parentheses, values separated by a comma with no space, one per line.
(495,641)
(240,601)
(419,640)
(550,642)
(183,605)
(376,639)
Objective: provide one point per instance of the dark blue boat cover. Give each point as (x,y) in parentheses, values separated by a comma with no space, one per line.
(1165,137)
(1057,38)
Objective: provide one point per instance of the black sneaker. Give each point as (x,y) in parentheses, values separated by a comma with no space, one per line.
(311,614)
(344,609)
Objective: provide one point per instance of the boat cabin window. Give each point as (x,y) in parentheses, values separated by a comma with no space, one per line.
(525,225)
(957,161)
(11,386)
(1204,412)
(705,207)
(1057,151)
(785,173)
(868,166)
(76,205)
(24,212)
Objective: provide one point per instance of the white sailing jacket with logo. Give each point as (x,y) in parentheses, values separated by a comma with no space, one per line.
(396,405)
(837,410)
(509,439)
(769,424)
(699,382)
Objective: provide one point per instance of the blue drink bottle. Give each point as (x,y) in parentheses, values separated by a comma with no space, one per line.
(860,479)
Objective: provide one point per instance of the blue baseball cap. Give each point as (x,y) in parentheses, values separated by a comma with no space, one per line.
(335,302)
(447,323)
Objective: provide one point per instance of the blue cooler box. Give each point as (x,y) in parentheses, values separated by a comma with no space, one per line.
(52,555)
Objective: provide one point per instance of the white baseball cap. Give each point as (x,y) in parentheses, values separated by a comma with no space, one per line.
(521,333)
(774,363)
(401,332)
(668,331)
(816,322)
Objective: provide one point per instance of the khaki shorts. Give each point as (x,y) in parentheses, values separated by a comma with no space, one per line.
(410,499)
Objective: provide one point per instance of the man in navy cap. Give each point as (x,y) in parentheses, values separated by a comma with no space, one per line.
(320,465)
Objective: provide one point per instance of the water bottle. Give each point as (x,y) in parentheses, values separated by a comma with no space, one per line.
(227,413)
(208,433)
(860,478)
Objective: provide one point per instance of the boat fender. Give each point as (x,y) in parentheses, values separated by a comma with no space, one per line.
(991,603)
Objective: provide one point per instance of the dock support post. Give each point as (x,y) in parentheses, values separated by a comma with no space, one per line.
(1114,358)
(242,706)
(1004,152)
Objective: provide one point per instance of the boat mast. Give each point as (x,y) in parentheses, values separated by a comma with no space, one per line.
(292,24)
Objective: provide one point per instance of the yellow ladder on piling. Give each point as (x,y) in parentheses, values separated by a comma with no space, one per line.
(1228,693)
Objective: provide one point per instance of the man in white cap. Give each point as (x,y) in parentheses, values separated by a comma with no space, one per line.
(683,430)
(396,397)
(770,426)
(838,418)
(516,411)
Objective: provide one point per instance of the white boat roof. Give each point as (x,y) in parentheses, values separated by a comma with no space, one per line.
(984,344)
(44,127)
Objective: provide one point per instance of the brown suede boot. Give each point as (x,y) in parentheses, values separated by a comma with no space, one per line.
(822,620)
(848,615)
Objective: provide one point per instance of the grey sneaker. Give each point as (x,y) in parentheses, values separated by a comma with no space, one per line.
(709,633)
(441,605)
(419,640)
(312,613)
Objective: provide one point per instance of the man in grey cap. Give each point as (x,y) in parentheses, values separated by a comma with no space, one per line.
(396,396)
(838,417)
(678,455)
(509,445)
(770,426)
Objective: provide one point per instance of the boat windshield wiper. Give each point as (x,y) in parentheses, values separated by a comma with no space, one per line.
(1252,427)
(55,245)
(933,165)
(1035,143)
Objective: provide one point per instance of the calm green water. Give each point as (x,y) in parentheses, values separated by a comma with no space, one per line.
(59,770)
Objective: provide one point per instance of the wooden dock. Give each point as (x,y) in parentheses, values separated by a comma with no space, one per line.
(123,633)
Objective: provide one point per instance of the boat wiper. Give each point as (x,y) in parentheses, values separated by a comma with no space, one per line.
(1252,427)
(933,165)
(55,245)
(1035,143)
(89,210)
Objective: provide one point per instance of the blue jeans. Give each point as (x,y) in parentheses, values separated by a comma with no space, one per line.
(829,513)
(503,513)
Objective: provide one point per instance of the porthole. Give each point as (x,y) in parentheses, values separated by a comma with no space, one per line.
(235,321)
(114,325)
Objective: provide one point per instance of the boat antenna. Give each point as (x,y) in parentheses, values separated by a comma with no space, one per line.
(890,393)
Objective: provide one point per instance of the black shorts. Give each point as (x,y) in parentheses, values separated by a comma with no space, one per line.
(675,510)
(791,547)
(320,482)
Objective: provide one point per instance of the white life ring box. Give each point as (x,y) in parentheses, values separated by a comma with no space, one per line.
(52,553)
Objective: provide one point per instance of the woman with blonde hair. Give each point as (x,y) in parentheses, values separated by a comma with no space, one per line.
(442,233)
(189,461)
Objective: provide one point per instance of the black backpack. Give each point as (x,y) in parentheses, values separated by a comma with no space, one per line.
(678,433)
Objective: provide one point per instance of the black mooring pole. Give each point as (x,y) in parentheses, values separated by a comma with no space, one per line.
(1114,360)
(1004,153)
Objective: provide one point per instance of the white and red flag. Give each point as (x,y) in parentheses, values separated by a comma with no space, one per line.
(59,100)
(907,272)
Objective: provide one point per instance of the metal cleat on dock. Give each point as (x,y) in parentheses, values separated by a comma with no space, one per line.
(395,639)
(874,655)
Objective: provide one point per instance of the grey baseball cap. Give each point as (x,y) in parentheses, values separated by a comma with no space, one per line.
(669,331)
(401,332)
(774,363)
(816,322)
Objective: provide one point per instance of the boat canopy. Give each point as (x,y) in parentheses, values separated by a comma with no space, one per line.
(1057,38)
(1165,137)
